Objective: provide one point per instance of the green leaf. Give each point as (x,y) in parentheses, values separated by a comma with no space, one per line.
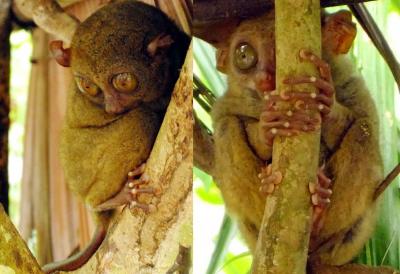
(237,264)
(395,6)
(212,196)
(203,177)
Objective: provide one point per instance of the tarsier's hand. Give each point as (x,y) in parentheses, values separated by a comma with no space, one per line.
(274,122)
(320,192)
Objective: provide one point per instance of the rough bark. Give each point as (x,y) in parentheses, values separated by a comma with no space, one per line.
(284,233)
(49,16)
(5,31)
(149,243)
(15,256)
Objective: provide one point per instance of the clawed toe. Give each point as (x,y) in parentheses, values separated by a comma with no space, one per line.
(270,180)
(320,199)
(130,192)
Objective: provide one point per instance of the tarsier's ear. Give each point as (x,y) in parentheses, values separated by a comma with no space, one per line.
(222,57)
(62,56)
(161,41)
(338,32)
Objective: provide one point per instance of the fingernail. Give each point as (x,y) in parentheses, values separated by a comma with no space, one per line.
(144,177)
(314,199)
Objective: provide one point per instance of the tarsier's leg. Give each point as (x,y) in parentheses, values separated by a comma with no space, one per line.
(320,192)
(275,122)
(130,192)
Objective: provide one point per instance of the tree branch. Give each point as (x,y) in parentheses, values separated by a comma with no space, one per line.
(15,256)
(373,31)
(49,16)
(282,245)
(212,10)
(386,182)
(5,31)
(150,243)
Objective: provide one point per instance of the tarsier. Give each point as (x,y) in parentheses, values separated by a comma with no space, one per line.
(125,59)
(246,121)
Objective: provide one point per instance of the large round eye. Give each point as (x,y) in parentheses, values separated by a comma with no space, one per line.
(87,86)
(245,56)
(124,82)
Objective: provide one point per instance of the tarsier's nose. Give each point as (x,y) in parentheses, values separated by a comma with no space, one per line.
(265,81)
(113,104)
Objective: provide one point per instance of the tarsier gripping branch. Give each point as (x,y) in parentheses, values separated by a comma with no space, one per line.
(125,59)
(246,121)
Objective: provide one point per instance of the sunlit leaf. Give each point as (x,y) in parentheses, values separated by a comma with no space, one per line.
(212,196)
(395,6)
(237,264)
(204,178)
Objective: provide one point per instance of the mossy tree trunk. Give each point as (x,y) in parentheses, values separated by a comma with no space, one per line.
(5,31)
(15,256)
(284,234)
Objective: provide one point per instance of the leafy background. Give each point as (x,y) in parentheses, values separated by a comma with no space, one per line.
(218,247)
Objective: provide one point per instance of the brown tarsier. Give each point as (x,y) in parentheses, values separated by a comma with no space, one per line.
(246,120)
(125,59)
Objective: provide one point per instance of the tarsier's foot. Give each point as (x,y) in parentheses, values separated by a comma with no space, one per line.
(130,192)
(275,122)
(269,180)
(320,192)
